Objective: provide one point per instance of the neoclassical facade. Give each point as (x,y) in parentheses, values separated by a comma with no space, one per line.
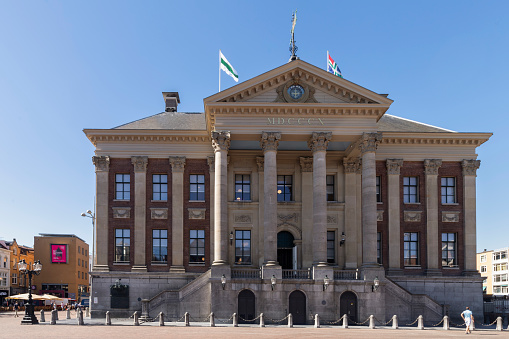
(294,192)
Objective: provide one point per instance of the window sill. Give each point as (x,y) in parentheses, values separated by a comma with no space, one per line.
(244,265)
(286,202)
(121,263)
(451,267)
(242,200)
(413,267)
(196,200)
(159,263)
(196,264)
(450,204)
(121,200)
(158,200)
(411,203)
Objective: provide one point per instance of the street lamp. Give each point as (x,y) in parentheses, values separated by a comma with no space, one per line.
(223,281)
(273,281)
(376,284)
(91,215)
(326,282)
(29,318)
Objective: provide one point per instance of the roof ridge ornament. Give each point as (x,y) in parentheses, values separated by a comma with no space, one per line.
(293,47)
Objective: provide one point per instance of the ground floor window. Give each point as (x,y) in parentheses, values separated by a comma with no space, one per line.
(243,247)
(160,245)
(379,248)
(122,245)
(331,247)
(411,248)
(197,246)
(449,249)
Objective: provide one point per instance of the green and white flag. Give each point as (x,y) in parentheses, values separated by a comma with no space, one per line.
(227,67)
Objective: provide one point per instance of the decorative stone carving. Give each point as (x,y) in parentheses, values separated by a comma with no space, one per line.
(270,141)
(369,142)
(121,212)
(286,219)
(380,215)
(220,140)
(177,163)
(243,218)
(159,213)
(283,96)
(351,165)
(319,141)
(431,166)
(260,162)
(102,163)
(140,164)
(412,216)
(332,219)
(394,166)
(450,216)
(196,213)
(470,166)
(211,163)
(306,164)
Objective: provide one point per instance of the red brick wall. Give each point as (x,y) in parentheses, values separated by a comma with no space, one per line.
(383,226)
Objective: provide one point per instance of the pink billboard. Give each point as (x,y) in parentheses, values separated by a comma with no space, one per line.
(59,253)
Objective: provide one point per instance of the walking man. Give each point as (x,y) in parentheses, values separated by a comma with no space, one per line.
(468,318)
(16,307)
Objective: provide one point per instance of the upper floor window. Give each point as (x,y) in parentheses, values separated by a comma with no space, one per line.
(378,189)
(330,179)
(5,262)
(160,245)
(122,186)
(122,245)
(500,267)
(331,247)
(411,248)
(79,262)
(500,277)
(483,268)
(197,187)
(14,279)
(79,250)
(284,188)
(410,190)
(159,187)
(243,247)
(448,190)
(500,255)
(379,247)
(449,249)
(242,187)
(483,258)
(197,246)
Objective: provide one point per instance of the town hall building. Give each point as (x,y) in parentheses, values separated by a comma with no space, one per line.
(293,192)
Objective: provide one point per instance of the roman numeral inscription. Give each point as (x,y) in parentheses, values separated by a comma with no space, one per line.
(294,121)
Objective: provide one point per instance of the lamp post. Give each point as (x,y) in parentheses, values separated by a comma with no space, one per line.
(91,215)
(29,318)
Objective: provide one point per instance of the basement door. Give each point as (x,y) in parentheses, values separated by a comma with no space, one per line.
(246,309)
(348,305)
(297,307)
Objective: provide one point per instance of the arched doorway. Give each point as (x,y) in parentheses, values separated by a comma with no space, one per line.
(348,305)
(285,250)
(246,308)
(297,307)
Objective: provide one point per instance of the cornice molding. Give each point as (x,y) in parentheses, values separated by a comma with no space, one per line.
(143,138)
(460,139)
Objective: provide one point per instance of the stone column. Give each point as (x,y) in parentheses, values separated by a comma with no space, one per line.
(261,235)
(318,145)
(368,144)
(469,207)
(431,167)
(306,165)
(393,204)
(221,145)
(140,208)
(212,168)
(269,143)
(102,168)
(177,214)
(350,168)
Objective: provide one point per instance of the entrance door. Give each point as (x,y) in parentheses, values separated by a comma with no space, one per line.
(285,250)
(246,305)
(348,305)
(297,307)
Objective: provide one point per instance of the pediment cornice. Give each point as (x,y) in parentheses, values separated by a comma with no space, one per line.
(453,138)
(144,136)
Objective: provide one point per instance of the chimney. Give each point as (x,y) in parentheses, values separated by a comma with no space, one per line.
(171,100)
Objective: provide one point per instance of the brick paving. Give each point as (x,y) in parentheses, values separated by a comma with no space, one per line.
(10,327)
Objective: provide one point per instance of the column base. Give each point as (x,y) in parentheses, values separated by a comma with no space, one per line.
(177,269)
(140,269)
(321,264)
(271,263)
(433,272)
(219,262)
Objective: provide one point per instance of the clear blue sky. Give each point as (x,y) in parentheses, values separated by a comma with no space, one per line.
(70,65)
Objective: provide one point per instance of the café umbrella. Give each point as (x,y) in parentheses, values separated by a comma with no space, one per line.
(25,296)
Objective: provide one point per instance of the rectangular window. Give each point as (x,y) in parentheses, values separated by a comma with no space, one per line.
(500,255)
(483,269)
(483,258)
(284,188)
(410,190)
(411,249)
(331,247)
(160,245)
(243,247)
(79,250)
(122,186)
(79,275)
(197,246)
(448,190)
(159,187)
(122,245)
(449,249)
(242,187)
(500,277)
(500,289)
(79,262)
(197,187)
(330,179)
(378,189)
(499,267)
(379,248)
(14,279)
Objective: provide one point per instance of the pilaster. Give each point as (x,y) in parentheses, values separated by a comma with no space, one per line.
(102,168)
(431,167)
(140,207)
(351,244)
(469,204)
(306,165)
(212,168)
(177,213)
(393,203)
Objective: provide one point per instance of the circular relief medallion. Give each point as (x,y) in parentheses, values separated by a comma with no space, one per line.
(295,92)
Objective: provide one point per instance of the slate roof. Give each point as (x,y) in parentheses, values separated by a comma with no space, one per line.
(391,123)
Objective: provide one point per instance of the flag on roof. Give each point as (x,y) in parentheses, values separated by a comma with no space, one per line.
(332,67)
(227,67)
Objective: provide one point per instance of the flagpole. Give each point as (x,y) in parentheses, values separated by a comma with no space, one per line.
(327,64)
(219,70)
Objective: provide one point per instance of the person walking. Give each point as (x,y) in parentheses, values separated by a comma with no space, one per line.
(468,317)
(16,307)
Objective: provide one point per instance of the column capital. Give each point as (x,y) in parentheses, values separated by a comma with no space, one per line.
(306,164)
(394,165)
(470,166)
(369,142)
(140,164)
(220,140)
(351,165)
(270,141)
(211,162)
(319,141)
(102,163)
(260,161)
(431,166)
(177,164)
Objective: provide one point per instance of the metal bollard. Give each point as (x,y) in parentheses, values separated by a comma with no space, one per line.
(317,321)
(87,312)
(420,323)
(262,320)
(56,314)
(395,322)
(108,318)
(212,320)
(136,321)
(42,317)
(68,315)
(290,320)
(499,324)
(446,323)
(53,317)
(371,321)
(345,321)
(235,320)
(80,318)
(161,319)
(186,318)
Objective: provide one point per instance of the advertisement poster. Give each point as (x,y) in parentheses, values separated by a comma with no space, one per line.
(59,253)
